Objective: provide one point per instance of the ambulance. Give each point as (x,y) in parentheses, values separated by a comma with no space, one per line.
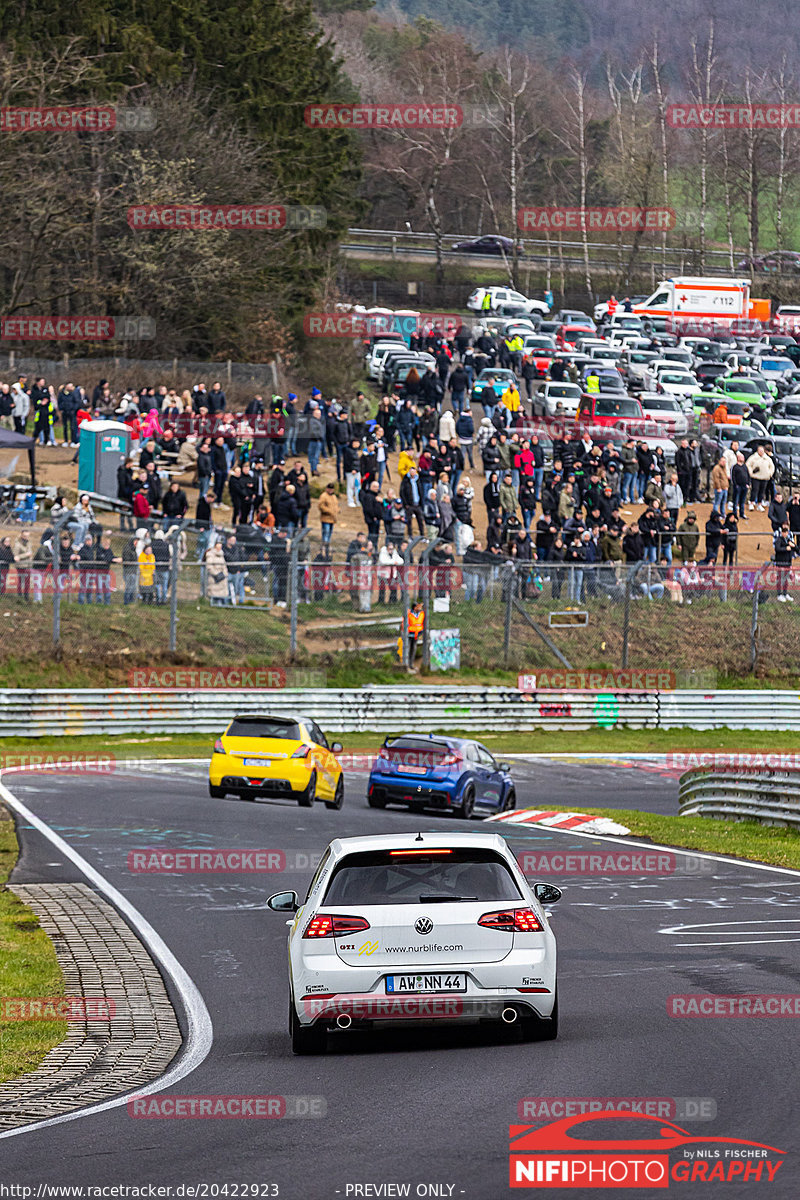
(690,305)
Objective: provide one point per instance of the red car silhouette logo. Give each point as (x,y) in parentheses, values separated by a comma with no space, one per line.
(558,1136)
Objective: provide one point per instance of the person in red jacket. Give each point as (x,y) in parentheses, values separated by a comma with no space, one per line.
(140,505)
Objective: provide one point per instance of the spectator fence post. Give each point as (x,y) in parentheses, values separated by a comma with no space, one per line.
(59,525)
(626,619)
(406,564)
(509,583)
(426,641)
(754,619)
(174,565)
(297,538)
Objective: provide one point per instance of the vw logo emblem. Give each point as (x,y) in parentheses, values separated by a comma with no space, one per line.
(423,925)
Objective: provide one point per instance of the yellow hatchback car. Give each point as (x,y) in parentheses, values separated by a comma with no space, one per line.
(285,756)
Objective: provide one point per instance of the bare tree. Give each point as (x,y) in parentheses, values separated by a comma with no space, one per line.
(661,116)
(703,65)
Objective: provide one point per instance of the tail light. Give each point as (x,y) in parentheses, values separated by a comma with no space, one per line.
(218,747)
(405,853)
(512,920)
(334,926)
(450,760)
(301,752)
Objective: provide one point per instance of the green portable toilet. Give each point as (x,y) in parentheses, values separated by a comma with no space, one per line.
(104,446)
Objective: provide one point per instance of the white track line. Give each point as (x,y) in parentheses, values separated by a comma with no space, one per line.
(199,1030)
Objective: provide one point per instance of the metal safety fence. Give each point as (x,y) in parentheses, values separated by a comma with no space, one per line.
(770,797)
(46,712)
(209,596)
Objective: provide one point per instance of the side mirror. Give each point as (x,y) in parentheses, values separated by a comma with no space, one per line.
(504,766)
(336,747)
(546,893)
(287,902)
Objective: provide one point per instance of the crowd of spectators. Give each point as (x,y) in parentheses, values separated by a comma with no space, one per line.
(563,500)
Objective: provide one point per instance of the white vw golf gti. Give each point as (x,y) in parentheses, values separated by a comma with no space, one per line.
(419,928)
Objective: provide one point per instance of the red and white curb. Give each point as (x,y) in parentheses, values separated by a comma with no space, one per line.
(561,820)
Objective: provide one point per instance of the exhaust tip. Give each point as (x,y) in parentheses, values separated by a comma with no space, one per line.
(344,1021)
(509,1015)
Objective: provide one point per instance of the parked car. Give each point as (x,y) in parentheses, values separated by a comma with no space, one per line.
(504,295)
(574,316)
(633,364)
(613,410)
(555,399)
(707,374)
(786,452)
(498,377)
(666,411)
(568,335)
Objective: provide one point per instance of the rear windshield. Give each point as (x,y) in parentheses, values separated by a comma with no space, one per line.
(607,407)
(417,752)
(381,877)
(264,727)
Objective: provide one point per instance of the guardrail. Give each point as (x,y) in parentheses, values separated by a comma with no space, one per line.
(389,709)
(603,255)
(46,712)
(770,797)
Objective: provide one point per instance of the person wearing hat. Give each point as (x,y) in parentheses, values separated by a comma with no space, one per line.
(316,437)
(147,571)
(359,414)
(688,538)
(289,412)
(328,512)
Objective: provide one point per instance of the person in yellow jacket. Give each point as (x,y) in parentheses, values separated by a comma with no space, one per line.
(404,463)
(510,398)
(147,574)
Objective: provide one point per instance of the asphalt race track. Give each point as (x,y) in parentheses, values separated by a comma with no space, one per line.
(411,1107)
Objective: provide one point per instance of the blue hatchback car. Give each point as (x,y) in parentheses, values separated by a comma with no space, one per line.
(423,771)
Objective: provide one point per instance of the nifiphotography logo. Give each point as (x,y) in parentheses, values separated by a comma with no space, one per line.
(625,1149)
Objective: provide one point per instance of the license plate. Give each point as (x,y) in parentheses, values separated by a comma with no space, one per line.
(258,762)
(439,981)
(414,770)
